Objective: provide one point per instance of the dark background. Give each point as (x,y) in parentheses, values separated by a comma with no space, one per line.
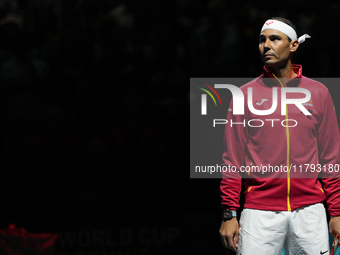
(94,109)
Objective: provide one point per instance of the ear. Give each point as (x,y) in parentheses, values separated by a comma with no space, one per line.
(294,45)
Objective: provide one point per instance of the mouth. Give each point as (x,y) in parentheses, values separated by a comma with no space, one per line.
(266,56)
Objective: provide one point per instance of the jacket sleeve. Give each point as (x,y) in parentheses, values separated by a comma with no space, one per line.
(234,142)
(329,155)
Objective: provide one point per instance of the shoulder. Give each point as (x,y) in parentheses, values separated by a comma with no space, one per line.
(320,94)
(313,85)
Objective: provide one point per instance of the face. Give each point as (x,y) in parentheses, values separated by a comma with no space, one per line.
(275,47)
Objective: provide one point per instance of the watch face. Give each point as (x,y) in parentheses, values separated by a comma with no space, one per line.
(227,215)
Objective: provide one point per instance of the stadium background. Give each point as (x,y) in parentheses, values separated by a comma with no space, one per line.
(94,116)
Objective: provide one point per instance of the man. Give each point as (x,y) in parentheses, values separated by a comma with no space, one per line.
(282,208)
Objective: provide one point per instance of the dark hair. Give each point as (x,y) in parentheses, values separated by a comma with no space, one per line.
(288,22)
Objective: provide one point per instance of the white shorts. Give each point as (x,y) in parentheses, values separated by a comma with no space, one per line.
(302,231)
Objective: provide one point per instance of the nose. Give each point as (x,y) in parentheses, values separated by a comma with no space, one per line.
(266,45)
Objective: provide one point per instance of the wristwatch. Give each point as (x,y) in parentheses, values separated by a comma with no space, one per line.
(228,214)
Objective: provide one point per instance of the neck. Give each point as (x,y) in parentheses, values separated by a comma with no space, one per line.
(283,72)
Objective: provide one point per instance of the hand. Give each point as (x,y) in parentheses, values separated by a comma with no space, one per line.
(334,226)
(229,233)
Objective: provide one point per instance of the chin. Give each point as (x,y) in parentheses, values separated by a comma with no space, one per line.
(270,63)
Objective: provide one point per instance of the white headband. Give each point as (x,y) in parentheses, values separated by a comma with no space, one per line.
(284,28)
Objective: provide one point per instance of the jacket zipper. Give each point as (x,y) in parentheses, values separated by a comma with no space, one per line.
(251,163)
(288,152)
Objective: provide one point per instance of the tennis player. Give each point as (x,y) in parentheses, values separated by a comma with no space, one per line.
(283,207)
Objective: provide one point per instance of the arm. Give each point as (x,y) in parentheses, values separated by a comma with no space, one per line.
(329,150)
(235,140)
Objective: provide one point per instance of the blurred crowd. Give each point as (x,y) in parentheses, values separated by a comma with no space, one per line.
(94,114)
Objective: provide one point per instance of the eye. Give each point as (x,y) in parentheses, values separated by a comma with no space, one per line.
(275,38)
(262,39)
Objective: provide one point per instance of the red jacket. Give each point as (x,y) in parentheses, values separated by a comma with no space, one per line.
(314,140)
